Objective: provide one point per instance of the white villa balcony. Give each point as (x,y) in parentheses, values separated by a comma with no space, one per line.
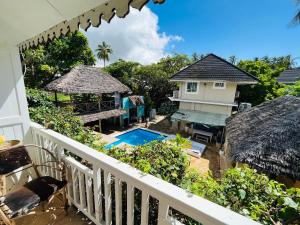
(95,188)
(97,183)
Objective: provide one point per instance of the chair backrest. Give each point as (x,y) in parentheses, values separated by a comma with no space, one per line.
(13,158)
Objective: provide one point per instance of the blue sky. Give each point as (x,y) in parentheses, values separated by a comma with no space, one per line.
(230,27)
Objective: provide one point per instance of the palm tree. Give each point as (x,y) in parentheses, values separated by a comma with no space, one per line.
(104,51)
(296,19)
(232,59)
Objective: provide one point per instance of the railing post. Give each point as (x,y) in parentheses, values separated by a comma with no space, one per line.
(107,191)
(163,212)
(130,204)
(118,201)
(145,208)
(97,193)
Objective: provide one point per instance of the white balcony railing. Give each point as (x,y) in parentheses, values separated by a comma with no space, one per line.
(90,188)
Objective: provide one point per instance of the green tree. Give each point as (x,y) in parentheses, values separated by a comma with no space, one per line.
(69,51)
(42,63)
(233,59)
(104,51)
(123,70)
(290,90)
(267,86)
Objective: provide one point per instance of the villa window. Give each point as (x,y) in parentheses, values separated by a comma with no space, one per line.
(219,85)
(191,87)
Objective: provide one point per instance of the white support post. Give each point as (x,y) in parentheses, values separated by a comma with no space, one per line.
(14,116)
(145,208)
(163,213)
(107,195)
(118,201)
(130,204)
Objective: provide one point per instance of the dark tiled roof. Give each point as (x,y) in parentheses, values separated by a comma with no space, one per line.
(213,67)
(289,76)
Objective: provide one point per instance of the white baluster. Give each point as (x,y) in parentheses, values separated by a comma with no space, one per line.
(97,193)
(82,190)
(130,204)
(145,208)
(89,196)
(107,191)
(163,213)
(118,201)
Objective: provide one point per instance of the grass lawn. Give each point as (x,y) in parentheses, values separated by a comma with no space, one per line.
(60,97)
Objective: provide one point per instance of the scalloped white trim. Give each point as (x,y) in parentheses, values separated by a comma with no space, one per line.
(91,18)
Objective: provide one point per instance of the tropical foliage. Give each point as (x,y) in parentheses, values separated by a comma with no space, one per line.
(43,63)
(243,190)
(290,89)
(151,81)
(249,193)
(62,120)
(266,70)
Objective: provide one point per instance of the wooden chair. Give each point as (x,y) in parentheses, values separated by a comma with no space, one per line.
(39,191)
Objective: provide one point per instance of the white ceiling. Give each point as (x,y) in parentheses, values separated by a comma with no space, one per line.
(21,20)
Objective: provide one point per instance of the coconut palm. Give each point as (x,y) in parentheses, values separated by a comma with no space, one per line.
(104,51)
(296,19)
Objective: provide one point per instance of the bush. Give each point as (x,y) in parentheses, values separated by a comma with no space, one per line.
(249,193)
(36,98)
(162,160)
(167,108)
(61,120)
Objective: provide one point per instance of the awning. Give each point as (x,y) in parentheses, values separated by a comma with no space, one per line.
(102,115)
(208,118)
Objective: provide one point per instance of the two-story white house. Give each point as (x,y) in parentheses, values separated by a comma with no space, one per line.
(206,95)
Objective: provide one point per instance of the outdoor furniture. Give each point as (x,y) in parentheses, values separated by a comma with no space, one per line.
(39,191)
(201,135)
(197,149)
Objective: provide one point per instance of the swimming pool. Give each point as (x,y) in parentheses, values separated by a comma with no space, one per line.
(136,137)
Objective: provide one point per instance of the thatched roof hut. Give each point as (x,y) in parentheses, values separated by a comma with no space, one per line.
(267,137)
(87,80)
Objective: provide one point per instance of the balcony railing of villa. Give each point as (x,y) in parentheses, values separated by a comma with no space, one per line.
(96,187)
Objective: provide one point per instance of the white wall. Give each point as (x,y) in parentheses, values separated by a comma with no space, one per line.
(14,118)
(206,92)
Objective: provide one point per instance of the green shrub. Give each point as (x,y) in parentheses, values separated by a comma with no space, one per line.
(249,193)
(61,120)
(36,98)
(162,160)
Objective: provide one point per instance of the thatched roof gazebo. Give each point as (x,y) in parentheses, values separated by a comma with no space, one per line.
(87,80)
(267,137)
(91,80)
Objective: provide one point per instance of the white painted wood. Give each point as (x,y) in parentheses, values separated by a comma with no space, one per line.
(145,208)
(82,190)
(89,195)
(14,118)
(163,212)
(130,204)
(168,195)
(97,193)
(108,203)
(118,201)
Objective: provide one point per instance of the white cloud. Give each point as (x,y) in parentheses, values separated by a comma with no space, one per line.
(135,38)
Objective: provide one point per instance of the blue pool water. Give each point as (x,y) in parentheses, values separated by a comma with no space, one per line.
(136,137)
